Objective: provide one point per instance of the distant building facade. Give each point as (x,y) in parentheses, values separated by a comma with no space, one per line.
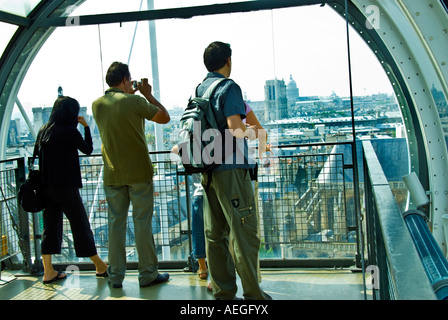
(292,92)
(275,100)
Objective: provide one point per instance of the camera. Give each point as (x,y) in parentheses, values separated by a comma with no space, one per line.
(135,84)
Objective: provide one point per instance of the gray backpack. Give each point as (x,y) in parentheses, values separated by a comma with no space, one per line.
(200,141)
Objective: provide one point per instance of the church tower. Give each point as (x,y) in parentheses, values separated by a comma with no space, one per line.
(275,101)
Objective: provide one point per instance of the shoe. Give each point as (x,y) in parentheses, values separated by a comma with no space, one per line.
(102,275)
(160,278)
(115,285)
(61,275)
(203,274)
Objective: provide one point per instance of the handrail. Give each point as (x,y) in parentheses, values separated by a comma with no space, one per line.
(433,259)
(391,249)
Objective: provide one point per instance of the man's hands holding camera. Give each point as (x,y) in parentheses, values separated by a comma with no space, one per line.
(143,86)
(162,116)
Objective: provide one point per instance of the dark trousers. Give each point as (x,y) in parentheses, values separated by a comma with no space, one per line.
(69,202)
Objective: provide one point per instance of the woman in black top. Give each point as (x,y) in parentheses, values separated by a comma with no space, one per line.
(58,143)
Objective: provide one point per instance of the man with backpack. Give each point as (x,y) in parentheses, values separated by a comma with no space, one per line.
(229,204)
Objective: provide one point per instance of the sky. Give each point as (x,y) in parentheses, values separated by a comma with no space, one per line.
(307,43)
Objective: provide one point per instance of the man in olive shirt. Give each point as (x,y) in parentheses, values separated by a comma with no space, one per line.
(120,116)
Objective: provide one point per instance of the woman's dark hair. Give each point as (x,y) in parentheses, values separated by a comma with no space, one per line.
(216,55)
(65,113)
(116,73)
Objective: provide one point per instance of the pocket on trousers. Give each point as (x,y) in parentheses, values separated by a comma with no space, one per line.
(248,217)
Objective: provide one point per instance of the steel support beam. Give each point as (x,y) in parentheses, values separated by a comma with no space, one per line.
(180,13)
(18,56)
(411,41)
(14,19)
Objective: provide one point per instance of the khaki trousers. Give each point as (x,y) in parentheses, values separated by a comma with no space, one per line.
(229,211)
(118,200)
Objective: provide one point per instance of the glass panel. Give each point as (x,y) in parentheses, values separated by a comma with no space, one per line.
(108,6)
(6,34)
(378,116)
(292,67)
(21,8)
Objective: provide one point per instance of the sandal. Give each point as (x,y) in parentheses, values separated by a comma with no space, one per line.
(102,275)
(61,275)
(203,274)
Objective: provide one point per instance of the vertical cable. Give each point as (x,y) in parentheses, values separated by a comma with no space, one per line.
(135,32)
(274,87)
(355,157)
(273,43)
(101,57)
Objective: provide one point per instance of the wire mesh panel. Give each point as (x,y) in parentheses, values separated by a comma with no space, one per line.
(168,217)
(170,212)
(9,223)
(94,200)
(301,203)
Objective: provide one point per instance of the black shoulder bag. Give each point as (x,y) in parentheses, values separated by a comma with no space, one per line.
(29,196)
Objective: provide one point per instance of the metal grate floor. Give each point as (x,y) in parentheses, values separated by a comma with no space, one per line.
(281,284)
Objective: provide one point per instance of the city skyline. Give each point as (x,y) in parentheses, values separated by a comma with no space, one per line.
(308,43)
(286,104)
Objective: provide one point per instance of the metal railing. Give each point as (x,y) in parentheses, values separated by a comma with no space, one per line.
(393,260)
(302,207)
(170,217)
(16,235)
(301,199)
(9,224)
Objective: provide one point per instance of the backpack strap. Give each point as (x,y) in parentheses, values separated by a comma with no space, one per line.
(209,92)
(195,92)
(35,153)
(209,180)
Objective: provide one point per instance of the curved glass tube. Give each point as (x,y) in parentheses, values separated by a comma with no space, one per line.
(292,67)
